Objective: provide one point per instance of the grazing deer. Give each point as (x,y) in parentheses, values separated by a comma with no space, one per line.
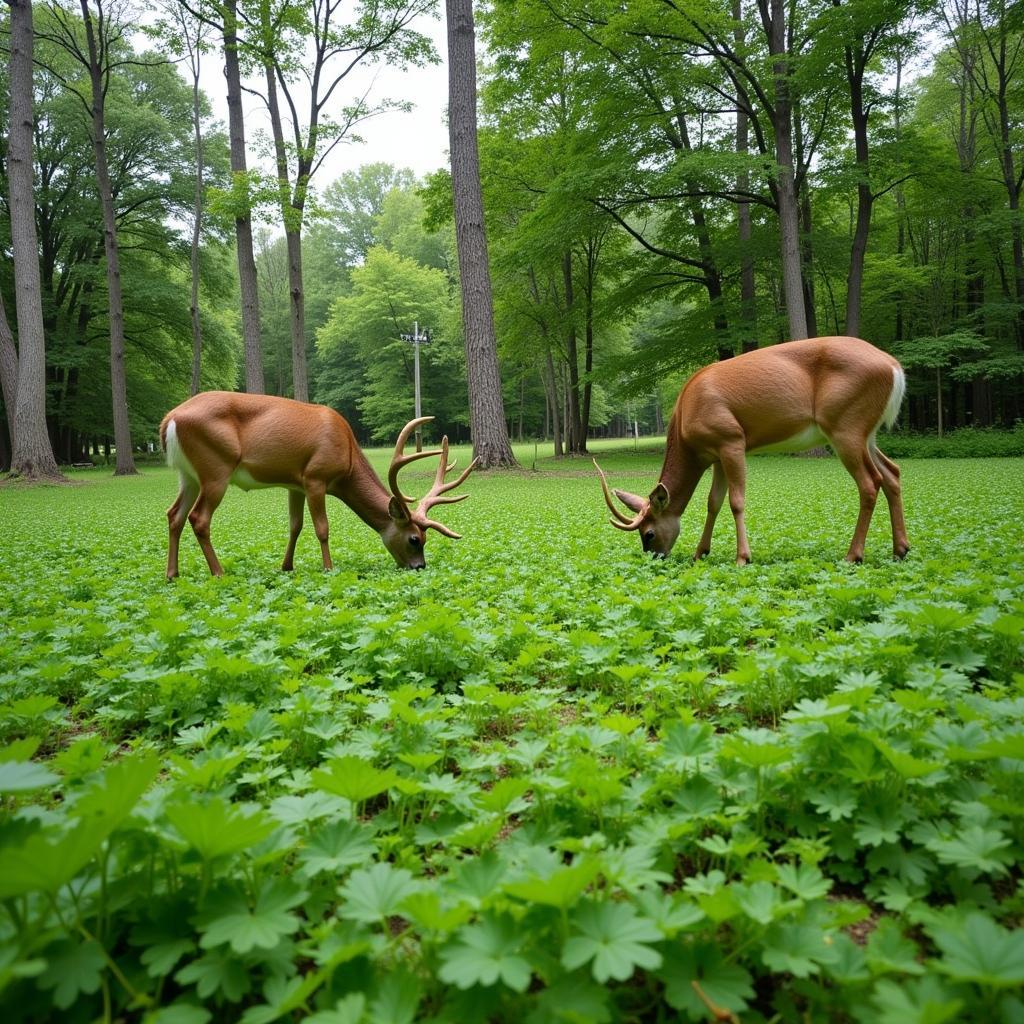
(786,398)
(220,437)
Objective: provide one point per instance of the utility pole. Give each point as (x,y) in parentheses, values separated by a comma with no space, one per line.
(416,339)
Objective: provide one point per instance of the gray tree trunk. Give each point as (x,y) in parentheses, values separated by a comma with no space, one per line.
(551,389)
(748,292)
(297,310)
(197,226)
(8,370)
(32,453)
(575,443)
(125,464)
(774,22)
(486,406)
(243,221)
(292,219)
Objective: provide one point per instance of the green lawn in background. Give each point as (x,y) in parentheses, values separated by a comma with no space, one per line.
(546,779)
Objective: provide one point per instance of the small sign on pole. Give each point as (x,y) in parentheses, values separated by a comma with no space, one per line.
(416,339)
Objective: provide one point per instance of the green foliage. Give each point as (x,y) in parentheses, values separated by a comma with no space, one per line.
(389,293)
(496,791)
(967,443)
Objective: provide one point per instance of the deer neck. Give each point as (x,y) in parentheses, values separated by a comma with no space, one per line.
(681,471)
(364,493)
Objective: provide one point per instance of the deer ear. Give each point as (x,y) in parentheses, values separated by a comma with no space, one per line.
(398,511)
(631,501)
(659,499)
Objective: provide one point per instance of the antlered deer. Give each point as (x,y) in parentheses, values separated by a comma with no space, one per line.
(220,437)
(786,398)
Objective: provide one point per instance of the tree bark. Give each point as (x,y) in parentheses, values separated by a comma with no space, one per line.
(865,198)
(297,306)
(551,386)
(575,443)
(197,227)
(748,292)
(32,453)
(243,220)
(774,22)
(125,465)
(291,216)
(8,369)
(486,405)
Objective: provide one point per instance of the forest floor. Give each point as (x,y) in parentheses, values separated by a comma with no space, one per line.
(547,778)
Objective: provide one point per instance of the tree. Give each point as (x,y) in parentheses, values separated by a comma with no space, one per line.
(189,37)
(389,292)
(350,204)
(100,59)
(486,406)
(32,454)
(989,39)
(378,30)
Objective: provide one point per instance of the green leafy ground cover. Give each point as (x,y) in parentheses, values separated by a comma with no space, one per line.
(544,780)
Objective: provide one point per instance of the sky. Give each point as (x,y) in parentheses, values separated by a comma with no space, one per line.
(417,140)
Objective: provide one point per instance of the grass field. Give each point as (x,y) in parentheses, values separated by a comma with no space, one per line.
(546,779)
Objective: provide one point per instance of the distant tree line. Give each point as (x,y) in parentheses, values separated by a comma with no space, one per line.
(664,184)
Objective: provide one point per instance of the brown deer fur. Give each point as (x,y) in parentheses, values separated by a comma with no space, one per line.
(220,437)
(788,397)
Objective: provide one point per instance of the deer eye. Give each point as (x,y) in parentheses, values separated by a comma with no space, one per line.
(648,535)
(414,541)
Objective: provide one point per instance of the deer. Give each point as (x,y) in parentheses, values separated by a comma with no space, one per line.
(784,398)
(218,438)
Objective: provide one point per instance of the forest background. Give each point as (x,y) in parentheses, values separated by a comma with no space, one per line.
(665,183)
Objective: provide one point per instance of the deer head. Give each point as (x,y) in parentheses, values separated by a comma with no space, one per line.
(405,534)
(657,526)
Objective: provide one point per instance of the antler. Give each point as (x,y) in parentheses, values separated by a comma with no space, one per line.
(436,494)
(399,459)
(621,520)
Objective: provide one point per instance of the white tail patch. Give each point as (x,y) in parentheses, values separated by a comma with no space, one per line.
(892,407)
(176,458)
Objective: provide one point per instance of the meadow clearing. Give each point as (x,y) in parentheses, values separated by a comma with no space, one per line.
(546,779)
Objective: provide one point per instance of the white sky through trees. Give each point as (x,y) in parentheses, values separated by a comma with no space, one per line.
(417,139)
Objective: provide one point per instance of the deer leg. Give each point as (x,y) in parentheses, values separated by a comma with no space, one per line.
(894,498)
(315,495)
(295,509)
(734,468)
(210,495)
(188,491)
(715,498)
(853,451)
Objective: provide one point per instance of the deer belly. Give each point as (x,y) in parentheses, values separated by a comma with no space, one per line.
(810,437)
(247,482)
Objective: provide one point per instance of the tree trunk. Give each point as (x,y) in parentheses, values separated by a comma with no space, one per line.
(865,199)
(486,406)
(8,369)
(197,226)
(774,24)
(292,219)
(551,386)
(900,201)
(125,465)
(807,263)
(588,363)
(243,221)
(32,453)
(748,293)
(300,378)
(574,426)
